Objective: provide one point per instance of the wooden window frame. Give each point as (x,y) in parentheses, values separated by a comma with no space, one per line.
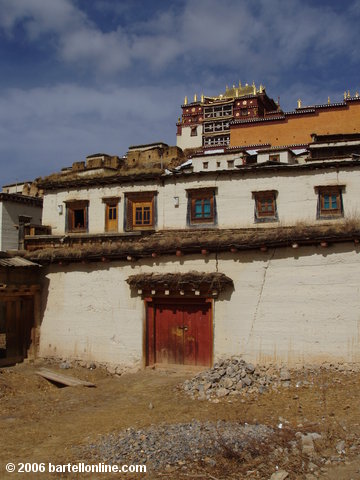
(201,195)
(265,215)
(73,206)
(274,157)
(193,131)
(136,201)
(328,213)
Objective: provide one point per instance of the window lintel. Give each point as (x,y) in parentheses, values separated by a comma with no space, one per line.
(329,188)
(111,199)
(201,191)
(264,193)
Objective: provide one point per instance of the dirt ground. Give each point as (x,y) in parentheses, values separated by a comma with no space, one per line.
(40,422)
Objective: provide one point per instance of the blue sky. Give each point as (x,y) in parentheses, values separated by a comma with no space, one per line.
(85,76)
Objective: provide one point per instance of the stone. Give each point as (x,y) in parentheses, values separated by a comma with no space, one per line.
(340,447)
(222,392)
(247,381)
(250,368)
(307,444)
(209,461)
(228,383)
(285,375)
(65,365)
(279,475)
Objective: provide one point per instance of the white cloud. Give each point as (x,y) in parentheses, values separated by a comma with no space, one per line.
(255,38)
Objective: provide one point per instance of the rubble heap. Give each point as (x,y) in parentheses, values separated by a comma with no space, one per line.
(234,376)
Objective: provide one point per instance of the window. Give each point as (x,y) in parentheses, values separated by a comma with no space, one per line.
(230,163)
(274,158)
(330,202)
(265,206)
(140,211)
(205,165)
(77,216)
(202,208)
(193,131)
(111,214)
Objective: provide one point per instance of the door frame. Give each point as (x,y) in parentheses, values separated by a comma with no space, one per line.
(150,304)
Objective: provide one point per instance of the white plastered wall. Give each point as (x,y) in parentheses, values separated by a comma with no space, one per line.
(186,140)
(296,199)
(289,306)
(10,212)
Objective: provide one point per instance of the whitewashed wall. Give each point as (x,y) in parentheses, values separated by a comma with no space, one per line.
(217,162)
(185,140)
(10,211)
(284,308)
(296,201)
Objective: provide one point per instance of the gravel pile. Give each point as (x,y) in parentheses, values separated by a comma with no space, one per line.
(160,446)
(234,376)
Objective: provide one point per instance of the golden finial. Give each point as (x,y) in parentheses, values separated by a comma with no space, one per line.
(345,95)
(357,94)
(261,88)
(239,84)
(299,103)
(195,97)
(185,101)
(202,98)
(329,100)
(237,92)
(227,87)
(179,119)
(348,94)
(254,88)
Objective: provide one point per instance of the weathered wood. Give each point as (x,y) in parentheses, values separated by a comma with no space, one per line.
(63,379)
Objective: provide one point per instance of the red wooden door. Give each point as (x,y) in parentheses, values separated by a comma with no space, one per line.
(197,334)
(168,335)
(179,333)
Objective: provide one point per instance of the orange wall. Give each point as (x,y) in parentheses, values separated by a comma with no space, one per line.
(298,128)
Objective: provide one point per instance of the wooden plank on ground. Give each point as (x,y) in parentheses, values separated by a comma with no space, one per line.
(63,379)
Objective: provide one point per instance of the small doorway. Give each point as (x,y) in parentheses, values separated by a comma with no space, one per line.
(179,332)
(16,322)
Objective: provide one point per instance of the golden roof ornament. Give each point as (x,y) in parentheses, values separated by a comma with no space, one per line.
(239,84)
(348,94)
(195,97)
(202,98)
(345,95)
(299,103)
(329,100)
(254,88)
(185,100)
(357,94)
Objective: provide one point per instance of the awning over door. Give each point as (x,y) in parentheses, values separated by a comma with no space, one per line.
(180,283)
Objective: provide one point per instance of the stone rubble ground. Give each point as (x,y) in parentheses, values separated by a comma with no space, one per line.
(234,376)
(167,445)
(172,447)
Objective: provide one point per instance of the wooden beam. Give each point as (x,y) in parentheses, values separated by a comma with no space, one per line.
(63,379)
